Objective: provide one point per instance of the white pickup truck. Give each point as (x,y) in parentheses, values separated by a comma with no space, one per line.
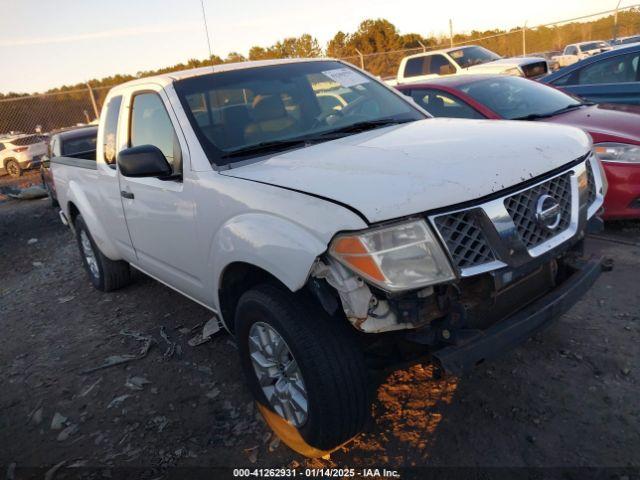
(470,59)
(579,51)
(323,239)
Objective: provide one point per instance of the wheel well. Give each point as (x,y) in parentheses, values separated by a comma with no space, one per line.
(73,213)
(236,279)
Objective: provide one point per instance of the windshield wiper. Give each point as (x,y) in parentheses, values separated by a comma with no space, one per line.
(264,147)
(535,116)
(364,126)
(275,145)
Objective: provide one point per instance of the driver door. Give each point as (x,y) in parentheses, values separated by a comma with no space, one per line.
(160,214)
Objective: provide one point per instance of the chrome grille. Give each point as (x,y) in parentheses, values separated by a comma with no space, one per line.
(464,238)
(591,185)
(522,209)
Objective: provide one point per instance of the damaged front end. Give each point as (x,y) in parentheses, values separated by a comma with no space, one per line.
(513,263)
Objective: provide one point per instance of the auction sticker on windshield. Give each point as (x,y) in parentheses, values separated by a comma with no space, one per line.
(346,77)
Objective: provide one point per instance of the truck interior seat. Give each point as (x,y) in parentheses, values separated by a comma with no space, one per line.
(235,120)
(269,117)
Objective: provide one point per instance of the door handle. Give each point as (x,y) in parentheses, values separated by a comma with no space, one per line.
(128,195)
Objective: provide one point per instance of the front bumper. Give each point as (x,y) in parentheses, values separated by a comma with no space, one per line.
(507,334)
(623,196)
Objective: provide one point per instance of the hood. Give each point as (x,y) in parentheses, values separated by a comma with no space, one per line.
(622,122)
(509,62)
(405,169)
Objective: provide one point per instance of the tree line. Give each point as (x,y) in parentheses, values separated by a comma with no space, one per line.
(378,40)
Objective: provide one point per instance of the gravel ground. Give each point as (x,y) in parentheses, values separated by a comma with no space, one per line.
(568,397)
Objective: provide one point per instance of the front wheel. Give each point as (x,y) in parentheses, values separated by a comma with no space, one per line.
(13,168)
(105,274)
(305,369)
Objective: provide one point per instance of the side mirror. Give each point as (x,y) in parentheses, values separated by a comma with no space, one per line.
(143,161)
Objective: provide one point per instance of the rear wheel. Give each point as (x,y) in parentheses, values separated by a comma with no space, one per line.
(304,368)
(13,168)
(105,274)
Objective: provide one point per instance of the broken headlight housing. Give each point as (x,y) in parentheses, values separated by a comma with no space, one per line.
(398,257)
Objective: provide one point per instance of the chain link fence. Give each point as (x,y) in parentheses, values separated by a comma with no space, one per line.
(542,40)
(49,112)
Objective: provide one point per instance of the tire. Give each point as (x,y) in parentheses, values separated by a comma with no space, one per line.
(13,168)
(329,360)
(105,274)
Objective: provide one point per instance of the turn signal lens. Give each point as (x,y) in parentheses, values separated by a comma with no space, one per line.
(398,257)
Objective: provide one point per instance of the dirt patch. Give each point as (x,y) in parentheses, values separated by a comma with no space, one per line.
(567,397)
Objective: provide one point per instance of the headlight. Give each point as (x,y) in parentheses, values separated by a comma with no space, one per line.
(617,152)
(399,257)
(514,71)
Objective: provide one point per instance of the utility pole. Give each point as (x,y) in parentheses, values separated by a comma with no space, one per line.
(615,21)
(524,39)
(93,101)
(361,58)
(450,33)
(424,49)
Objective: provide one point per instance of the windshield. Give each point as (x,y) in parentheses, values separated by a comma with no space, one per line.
(514,97)
(592,46)
(470,56)
(236,113)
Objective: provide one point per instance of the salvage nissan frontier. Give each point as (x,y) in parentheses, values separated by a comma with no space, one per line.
(329,222)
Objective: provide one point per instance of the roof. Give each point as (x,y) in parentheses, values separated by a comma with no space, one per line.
(170,77)
(442,50)
(77,132)
(450,80)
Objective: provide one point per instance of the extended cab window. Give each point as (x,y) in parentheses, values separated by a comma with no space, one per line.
(79,145)
(111,131)
(416,67)
(439,65)
(440,104)
(151,125)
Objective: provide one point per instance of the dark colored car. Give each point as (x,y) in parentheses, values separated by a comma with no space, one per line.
(610,77)
(78,143)
(615,129)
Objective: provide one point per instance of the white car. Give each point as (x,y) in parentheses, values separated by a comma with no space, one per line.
(320,237)
(579,51)
(463,60)
(21,153)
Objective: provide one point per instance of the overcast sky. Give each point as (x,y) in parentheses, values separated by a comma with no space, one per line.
(44,44)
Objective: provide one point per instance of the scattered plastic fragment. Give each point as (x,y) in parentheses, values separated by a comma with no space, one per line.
(58,421)
(29,193)
(31,241)
(212,393)
(67,432)
(160,422)
(118,400)
(136,383)
(90,387)
(171,348)
(51,473)
(120,359)
(66,299)
(252,454)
